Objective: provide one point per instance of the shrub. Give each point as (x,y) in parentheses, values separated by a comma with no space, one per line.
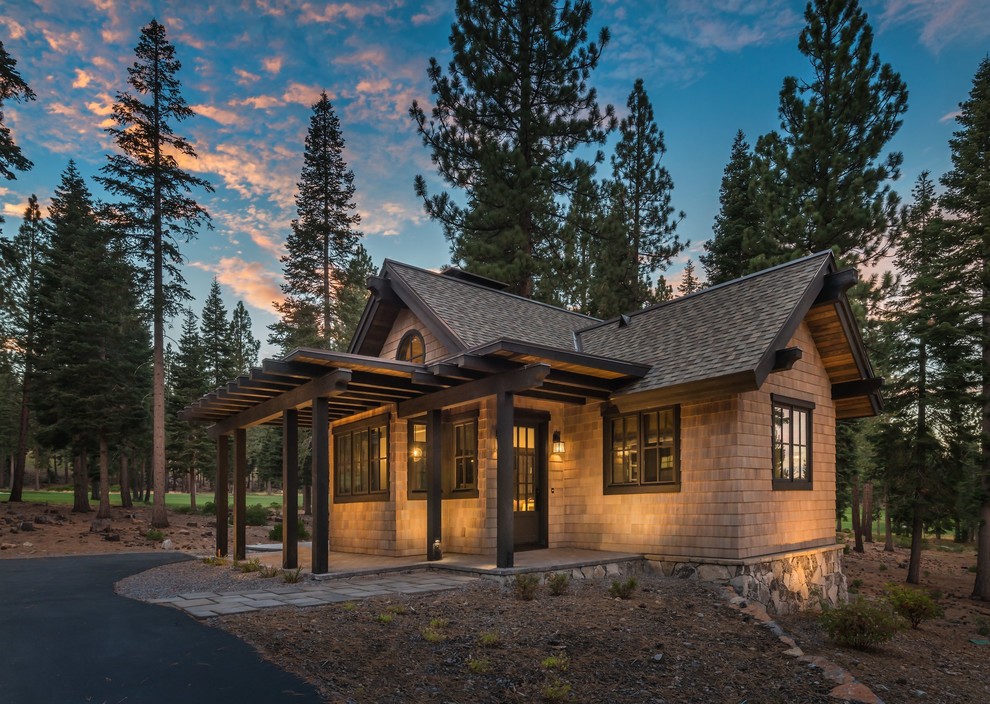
(558,583)
(489,639)
(276,532)
(249,566)
(431,635)
(155,535)
(267,572)
(385,618)
(397,609)
(183,510)
(860,624)
(215,561)
(292,577)
(912,604)
(555,662)
(556,691)
(438,623)
(623,590)
(525,586)
(478,666)
(209,509)
(983,626)
(855,585)
(254,515)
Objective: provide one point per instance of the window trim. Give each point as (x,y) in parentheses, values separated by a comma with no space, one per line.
(382,420)
(809,408)
(447,422)
(640,488)
(406,340)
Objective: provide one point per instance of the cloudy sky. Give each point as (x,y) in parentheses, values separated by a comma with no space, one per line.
(251,69)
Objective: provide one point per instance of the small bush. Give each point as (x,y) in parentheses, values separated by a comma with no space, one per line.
(276,532)
(489,639)
(983,627)
(397,609)
(525,586)
(183,510)
(267,572)
(348,606)
(215,561)
(209,509)
(292,577)
(972,569)
(555,662)
(431,635)
(155,535)
(855,585)
(438,623)
(249,566)
(385,618)
(556,691)
(846,549)
(883,567)
(256,515)
(860,624)
(558,583)
(912,604)
(623,590)
(479,666)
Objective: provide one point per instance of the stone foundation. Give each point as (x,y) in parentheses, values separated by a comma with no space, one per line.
(784,583)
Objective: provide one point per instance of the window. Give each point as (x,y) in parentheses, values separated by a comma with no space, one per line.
(360,461)
(791,443)
(412,348)
(458,462)
(642,451)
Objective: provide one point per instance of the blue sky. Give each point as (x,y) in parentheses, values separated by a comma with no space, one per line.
(253,68)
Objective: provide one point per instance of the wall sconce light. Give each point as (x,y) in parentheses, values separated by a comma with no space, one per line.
(417,453)
(558,444)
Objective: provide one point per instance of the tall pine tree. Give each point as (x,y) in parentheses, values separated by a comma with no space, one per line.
(12,87)
(156,209)
(967,201)
(323,241)
(190,377)
(509,111)
(244,346)
(219,363)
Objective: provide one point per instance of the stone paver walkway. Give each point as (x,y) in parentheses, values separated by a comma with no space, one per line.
(208,604)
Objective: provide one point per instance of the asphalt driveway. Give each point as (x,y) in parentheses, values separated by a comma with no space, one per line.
(67,637)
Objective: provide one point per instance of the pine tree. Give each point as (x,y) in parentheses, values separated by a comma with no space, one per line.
(12,87)
(352,298)
(641,190)
(738,223)
(219,363)
(689,282)
(190,376)
(967,202)
(323,241)
(511,108)
(826,181)
(157,210)
(244,346)
(28,251)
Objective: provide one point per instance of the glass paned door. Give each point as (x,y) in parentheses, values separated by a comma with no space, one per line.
(529,499)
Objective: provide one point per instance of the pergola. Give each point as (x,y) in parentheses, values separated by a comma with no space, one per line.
(312,388)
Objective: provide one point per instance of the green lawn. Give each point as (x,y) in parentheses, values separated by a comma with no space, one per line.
(172,499)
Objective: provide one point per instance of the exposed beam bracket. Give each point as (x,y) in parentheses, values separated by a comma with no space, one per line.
(835,286)
(786,358)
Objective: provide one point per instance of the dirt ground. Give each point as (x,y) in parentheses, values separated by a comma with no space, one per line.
(673,641)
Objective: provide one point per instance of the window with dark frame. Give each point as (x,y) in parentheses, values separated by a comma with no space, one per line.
(642,451)
(459,463)
(412,348)
(361,461)
(791,443)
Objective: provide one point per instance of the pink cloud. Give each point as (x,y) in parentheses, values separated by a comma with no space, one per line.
(245,77)
(950,116)
(250,281)
(224,117)
(14,28)
(332,12)
(272,64)
(82,79)
(943,22)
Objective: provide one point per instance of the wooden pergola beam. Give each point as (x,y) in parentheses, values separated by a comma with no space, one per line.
(528,377)
(332,384)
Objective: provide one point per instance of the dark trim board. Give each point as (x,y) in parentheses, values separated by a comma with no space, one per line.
(525,378)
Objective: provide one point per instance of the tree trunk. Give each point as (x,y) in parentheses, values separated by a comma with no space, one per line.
(17,479)
(125,482)
(917,531)
(888,541)
(307,500)
(80,478)
(146,471)
(104,510)
(867,522)
(192,485)
(268,486)
(857,529)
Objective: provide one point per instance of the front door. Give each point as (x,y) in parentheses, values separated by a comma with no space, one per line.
(529,504)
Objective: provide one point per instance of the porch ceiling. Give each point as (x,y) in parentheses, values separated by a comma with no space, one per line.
(356,383)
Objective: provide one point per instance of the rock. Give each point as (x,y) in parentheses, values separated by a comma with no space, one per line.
(26,526)
(100,525)
(8,546)
(42,519)
(167,544)
(658,657)
(112,537)
(27,545)
(794,652)
(855,692)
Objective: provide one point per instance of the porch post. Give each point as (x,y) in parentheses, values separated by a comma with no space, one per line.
(240,492)
(434,549)
(290,489)
(220,493)
(504,469)
(321,485)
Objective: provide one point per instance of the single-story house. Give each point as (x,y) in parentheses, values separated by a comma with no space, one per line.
(699,432)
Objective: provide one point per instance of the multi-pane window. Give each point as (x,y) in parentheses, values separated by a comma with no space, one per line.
(361,461)
(791,443)
(412,348)
(641,451)
(524,449)
(458,462)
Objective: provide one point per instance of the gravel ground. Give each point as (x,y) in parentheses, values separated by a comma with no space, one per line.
(187,577)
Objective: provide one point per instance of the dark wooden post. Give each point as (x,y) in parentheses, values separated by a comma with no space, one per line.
(434,548)
(321,485)
(240,493)
(504,469)
(220,493)
(290,489)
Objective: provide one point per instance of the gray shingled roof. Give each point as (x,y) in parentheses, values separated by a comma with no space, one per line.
(720,331)
(478,315)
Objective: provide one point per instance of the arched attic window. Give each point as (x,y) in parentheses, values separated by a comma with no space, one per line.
(412,348)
